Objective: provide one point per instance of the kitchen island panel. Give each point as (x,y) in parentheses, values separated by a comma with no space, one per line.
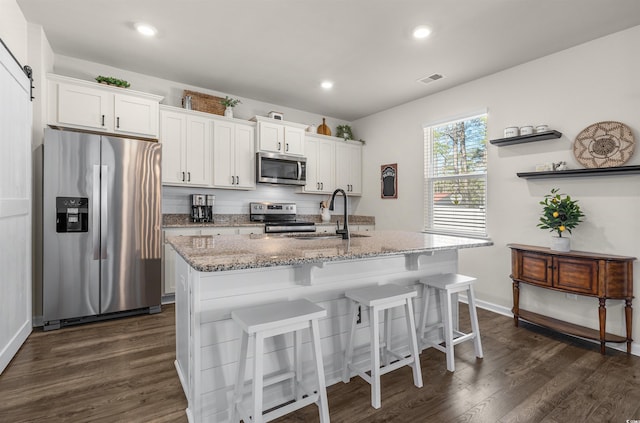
(214,339)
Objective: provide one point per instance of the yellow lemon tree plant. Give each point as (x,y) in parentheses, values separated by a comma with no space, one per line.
(559,213)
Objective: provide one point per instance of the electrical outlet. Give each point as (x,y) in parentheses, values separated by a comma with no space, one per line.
(573,297)
(359,316)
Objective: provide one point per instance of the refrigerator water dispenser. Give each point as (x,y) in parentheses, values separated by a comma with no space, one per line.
(72,214)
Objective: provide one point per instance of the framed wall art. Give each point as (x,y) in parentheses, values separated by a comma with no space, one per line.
(389,181)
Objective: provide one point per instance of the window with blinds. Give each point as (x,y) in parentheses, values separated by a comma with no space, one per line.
(455,171)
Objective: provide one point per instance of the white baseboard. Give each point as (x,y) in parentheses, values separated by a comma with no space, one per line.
(505,311)
(12,347)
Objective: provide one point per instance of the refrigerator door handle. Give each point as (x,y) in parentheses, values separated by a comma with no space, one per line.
(95,230)
(104,218)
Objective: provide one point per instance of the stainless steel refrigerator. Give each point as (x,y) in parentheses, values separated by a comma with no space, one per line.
(101,227)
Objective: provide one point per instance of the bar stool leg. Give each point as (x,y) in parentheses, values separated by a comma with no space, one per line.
(323,404)
(297,350)
(387,337)
(258,376)
(475,327)
(374,322)
(413,344)
(448,329)
(424,309)
(353,310)
(242,366)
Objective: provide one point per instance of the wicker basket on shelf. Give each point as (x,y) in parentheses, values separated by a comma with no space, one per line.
(205,102)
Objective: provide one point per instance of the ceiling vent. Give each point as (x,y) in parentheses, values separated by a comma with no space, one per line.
(431,78)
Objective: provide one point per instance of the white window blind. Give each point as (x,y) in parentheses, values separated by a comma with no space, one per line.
(455,171)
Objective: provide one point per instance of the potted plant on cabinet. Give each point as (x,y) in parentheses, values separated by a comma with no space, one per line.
(229,103)
(109,80)
(559,214)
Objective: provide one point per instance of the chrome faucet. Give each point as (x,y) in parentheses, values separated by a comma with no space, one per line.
(345,227)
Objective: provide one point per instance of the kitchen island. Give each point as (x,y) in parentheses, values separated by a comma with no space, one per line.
(216,274)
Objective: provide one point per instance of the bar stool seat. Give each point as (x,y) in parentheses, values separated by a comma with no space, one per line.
(273,319)
(448,286)
(382,298)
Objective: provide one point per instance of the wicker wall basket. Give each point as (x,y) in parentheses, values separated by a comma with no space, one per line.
(205,102)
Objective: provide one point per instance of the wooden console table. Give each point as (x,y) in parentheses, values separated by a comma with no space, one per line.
(576,272)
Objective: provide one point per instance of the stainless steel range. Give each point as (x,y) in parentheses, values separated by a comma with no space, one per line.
(279,218)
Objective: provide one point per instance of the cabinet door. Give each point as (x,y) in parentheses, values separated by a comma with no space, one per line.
(271,137)
(535,268)
(326,170)
(134,115)
(198,151)
(575,274)
(245,157)
(84,107)
(223,154)
(313,183)
(293,141)
(173,133)
(349,168)
(355,181)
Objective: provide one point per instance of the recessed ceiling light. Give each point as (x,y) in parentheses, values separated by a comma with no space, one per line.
(146,29)
(327,85)
(421,32)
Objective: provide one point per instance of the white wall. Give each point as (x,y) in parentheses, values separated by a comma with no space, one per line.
(570,90)
(176,199)
(13,29)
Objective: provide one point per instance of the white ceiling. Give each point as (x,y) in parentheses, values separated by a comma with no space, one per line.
(278,51)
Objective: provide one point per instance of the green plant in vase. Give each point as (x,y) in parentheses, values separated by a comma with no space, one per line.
(559,213)
(344,131)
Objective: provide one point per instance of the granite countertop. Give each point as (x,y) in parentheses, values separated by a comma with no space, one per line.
(226,220)
(235,252)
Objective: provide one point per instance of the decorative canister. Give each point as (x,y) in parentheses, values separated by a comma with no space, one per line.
(325,214)
(511,131)
(526,130)
(542,128)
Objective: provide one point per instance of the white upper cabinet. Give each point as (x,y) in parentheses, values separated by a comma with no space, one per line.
(186,148)
(234,155)
(280,137)
(74,103)
(349,167)
(320,165)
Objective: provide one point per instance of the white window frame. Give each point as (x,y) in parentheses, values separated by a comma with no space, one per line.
(430,180)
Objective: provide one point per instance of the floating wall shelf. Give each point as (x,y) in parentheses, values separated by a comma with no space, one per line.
(572,173)
(521,139)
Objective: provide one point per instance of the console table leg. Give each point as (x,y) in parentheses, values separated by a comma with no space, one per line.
(516,303)
(628,313)
(602,314)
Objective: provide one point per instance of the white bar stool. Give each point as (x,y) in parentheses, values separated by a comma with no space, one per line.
(447,286)
(268,320)
(378,298)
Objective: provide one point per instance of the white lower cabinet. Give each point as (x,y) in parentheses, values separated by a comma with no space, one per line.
(169,257)
(234,155)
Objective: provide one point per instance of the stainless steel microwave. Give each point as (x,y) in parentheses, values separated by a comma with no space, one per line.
(273,168)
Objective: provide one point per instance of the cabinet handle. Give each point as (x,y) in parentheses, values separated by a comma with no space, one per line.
(279,145)
(188,176)
(322,185)
(237,180)
(318,185)
(102,120)
(118,122)
(183,175)
(286,146)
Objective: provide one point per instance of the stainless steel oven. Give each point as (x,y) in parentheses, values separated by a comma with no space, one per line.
(273,168)
(279,218)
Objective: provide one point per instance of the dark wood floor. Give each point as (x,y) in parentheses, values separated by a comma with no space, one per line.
(122,371)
